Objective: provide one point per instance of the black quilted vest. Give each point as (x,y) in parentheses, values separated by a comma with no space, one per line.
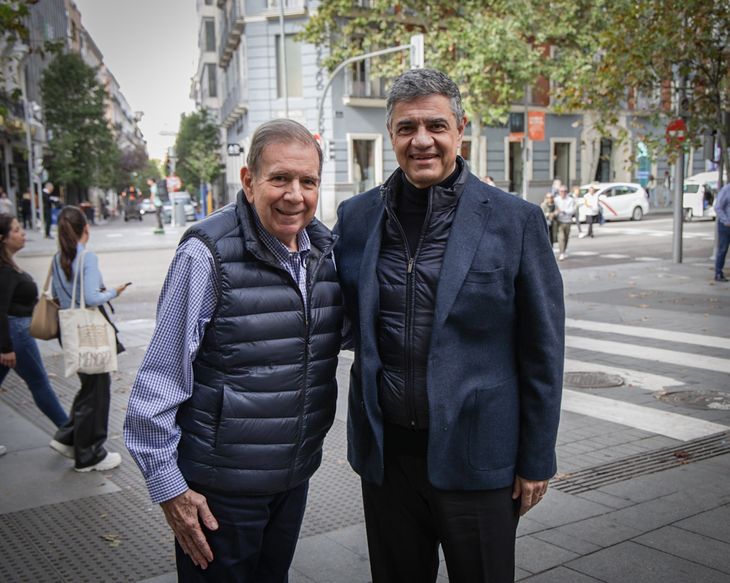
(264,377)
(407,302)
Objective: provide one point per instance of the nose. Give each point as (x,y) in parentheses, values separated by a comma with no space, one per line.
(294,192)
(422,138)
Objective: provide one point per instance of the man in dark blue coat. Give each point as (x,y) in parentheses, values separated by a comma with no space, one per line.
(456,306)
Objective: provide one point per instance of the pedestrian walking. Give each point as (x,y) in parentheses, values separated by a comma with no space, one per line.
(566,211)
(722,211)
(157,203)
(551,216)
(456,303)
(6,205)
(26,212)
(591,209)
(237,389)
(49,203)
(18,349)
(575,193)
(83,436)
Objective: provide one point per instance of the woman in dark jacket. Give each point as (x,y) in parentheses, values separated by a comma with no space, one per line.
(83,436)
(18,349)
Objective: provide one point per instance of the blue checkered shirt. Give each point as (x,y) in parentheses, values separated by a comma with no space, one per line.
(165,378)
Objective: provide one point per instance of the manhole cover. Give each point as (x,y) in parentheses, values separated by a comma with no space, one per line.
(592,380)
(713,400)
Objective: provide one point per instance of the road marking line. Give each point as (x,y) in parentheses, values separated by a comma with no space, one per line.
(615,256)
(644,380)
(647,259)
(654,333)
(584,253)
(672,425)
(708,363)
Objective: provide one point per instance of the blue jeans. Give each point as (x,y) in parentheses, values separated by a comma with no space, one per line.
(29,367)
(723,240)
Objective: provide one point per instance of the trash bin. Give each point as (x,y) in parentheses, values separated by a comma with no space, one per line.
(179,212)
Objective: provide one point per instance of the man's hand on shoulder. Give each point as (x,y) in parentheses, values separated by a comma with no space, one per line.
(530,492)
(184,513)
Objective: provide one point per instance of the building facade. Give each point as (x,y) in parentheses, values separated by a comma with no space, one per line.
(258,80)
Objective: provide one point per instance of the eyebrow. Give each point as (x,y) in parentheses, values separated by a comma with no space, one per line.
(427,121)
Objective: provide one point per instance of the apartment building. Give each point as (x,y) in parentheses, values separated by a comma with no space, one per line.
(258,81)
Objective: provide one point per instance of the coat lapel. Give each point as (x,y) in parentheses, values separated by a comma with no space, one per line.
(369,293)
(467,229)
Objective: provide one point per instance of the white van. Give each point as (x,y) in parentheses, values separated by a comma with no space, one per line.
(699,195)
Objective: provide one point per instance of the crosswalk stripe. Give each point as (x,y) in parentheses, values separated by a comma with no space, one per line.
(709,363)
(672,425)
(615,256)
(632,378)
(654,333)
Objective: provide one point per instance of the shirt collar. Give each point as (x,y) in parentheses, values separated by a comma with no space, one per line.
(281,251)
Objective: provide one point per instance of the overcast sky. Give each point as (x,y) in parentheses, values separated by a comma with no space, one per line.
(150,46)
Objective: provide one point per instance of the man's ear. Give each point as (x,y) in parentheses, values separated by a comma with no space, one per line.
(247,183)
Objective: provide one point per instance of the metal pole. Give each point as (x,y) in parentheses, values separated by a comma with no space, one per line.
(679,188)
(525,150)
(285,83)
(29,145)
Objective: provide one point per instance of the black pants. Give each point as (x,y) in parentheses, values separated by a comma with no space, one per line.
(255,540)
(590,219)
(158,212)
(86,428)
(406,518)
(47,219)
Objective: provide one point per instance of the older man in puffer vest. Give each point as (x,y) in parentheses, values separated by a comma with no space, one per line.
(237,389)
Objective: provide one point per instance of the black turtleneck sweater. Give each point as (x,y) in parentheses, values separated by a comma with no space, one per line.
(412,206)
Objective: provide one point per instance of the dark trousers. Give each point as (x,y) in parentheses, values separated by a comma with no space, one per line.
(590,219)
(86,429)
(47,219)
(723,241)
(158,212)
(255,540)
(406,518)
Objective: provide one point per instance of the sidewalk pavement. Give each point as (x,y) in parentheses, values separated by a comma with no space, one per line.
(644,461)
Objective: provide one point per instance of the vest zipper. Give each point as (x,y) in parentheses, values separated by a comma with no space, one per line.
(408,359)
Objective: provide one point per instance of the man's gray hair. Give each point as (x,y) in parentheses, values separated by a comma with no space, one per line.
(278,131)
(417,83)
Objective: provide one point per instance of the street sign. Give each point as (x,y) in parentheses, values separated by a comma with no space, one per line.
(676,131)
(234,149)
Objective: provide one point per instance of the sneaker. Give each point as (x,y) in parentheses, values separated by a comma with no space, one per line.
(3,450)
(581,235)
(721,277)
(561,256)
(62,448)
(111,461)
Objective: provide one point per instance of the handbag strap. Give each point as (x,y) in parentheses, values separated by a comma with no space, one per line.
(48,278)
(79,269)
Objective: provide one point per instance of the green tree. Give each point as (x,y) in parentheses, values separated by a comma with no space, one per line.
(197,148)
(82,148)
(492,50)
(650,49)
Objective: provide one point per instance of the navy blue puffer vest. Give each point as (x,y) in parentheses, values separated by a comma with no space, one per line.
(264,377)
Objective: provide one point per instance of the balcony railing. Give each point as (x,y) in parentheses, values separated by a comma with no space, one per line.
(234,105)
(232,25)
(288,4)
(373,88)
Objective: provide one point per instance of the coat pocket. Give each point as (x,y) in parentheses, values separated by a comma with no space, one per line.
(494,429)
(482,277)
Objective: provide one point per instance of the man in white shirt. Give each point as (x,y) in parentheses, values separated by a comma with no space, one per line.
(565,206)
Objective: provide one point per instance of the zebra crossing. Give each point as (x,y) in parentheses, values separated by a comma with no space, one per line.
(662,422)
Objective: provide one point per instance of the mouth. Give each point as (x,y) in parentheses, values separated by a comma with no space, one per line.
(288,213)
(423,157)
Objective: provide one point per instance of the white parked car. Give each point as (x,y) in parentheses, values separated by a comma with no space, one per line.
(618,200)
(699,195)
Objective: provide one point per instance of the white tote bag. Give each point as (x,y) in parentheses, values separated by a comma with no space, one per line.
(89,342)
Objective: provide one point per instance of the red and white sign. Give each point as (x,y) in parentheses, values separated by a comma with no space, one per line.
(676,131)
(173,183)
(536,126)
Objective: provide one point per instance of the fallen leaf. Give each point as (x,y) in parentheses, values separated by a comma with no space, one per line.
(114,540)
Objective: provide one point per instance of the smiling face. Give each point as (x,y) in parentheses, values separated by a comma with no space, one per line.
(426,138)
(284,192)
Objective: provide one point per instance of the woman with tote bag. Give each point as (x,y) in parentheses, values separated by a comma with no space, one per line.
(18,349)
(83,436)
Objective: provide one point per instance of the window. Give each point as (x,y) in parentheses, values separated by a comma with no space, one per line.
(603,168)
(293,67)
(209,34)
(365,161)
(363,83)
(212,79)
